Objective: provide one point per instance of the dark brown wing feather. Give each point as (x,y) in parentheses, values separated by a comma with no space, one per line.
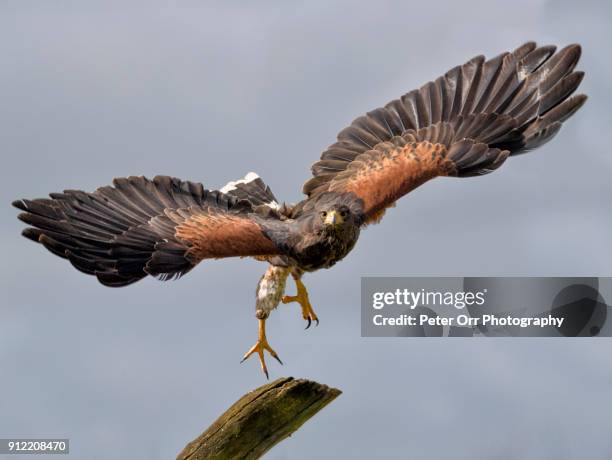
(480,112)
(161,227)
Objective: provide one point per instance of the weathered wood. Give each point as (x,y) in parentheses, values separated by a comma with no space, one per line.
(260,419)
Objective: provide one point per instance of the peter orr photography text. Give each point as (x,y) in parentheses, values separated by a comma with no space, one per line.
(455,299)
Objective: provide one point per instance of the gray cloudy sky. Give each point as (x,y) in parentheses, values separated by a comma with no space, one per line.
(210,90)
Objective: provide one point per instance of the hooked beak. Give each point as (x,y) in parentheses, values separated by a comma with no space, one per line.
(333,218)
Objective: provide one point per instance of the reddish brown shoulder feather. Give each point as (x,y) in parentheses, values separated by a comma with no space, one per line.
(381,176)
(216,235)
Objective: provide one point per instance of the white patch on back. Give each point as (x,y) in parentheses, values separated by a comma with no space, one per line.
(250,177)
(273,205)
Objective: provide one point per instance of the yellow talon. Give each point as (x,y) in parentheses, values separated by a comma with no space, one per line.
(302,298)
(259,347)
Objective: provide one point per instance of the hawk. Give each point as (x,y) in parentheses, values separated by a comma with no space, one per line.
(465,123)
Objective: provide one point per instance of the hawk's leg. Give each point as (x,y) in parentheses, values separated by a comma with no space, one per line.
(302,298)
(269,293)
(260,346)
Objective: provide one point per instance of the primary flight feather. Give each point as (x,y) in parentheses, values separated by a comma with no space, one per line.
(465,123)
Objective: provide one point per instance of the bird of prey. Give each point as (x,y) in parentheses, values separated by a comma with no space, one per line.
(465,123)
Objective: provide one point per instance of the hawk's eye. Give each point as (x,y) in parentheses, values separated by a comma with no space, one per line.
(343,213)
(323,214)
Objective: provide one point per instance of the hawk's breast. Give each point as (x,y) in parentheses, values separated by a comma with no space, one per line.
(323,250)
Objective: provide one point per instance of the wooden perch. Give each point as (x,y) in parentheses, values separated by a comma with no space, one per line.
(260,419)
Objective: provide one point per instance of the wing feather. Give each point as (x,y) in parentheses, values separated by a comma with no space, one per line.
(478,113)
(161,227)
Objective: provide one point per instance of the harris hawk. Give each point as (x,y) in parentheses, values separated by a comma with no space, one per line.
(465,123)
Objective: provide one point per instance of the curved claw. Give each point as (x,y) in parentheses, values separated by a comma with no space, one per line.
(310,322)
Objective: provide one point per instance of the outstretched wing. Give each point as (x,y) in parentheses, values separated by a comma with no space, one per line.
(161,227)
(464,123)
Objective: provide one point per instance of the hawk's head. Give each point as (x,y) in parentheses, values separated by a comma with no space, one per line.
(333,212)
(335,217)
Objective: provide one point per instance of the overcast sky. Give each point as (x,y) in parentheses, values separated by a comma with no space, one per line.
(211,90)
